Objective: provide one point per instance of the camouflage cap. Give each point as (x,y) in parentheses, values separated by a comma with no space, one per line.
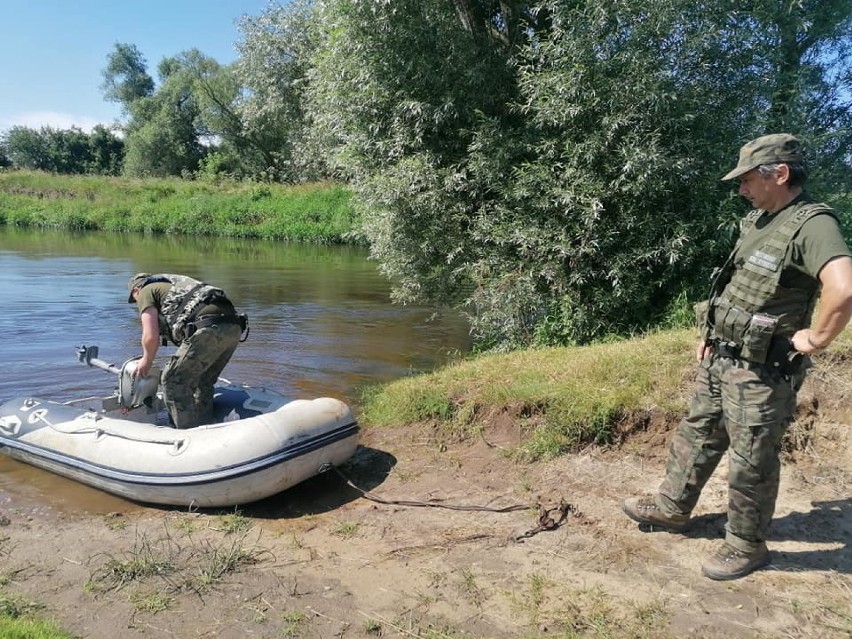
(769,149)
(137,281)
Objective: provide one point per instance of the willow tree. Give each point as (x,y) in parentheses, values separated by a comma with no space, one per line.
(275,52)
(126,77)
(553,168)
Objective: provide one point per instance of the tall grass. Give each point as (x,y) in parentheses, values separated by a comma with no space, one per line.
(318,213)
(19,619)
(30,629)
(563,398)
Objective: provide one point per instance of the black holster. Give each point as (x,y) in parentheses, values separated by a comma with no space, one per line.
(783,356)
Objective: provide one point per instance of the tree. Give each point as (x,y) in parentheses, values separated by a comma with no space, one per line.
(106,152)
(553,168)
(27,148)
(164,132)
(48,149)
(275,58)
(69,151)
(126,76)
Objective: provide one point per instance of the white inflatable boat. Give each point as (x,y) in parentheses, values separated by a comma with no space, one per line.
(262,445)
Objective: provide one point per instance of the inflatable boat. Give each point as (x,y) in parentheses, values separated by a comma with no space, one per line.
(261,444)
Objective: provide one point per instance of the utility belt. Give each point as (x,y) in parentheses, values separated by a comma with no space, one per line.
(203,321)
(759,338)
(781,355)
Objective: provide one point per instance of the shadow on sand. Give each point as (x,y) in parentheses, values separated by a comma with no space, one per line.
(366,469)
(828,522)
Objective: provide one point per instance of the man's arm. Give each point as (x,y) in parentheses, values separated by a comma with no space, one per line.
(150,340)
(835,307)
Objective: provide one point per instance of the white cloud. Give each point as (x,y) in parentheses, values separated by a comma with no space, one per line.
(38,119)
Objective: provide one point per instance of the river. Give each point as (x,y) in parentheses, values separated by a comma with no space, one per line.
(321,323)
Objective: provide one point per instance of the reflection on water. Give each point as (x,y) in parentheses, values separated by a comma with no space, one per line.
(321,320)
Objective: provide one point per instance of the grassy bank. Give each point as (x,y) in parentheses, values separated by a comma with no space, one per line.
(21,619)
(561,398)
(318,212)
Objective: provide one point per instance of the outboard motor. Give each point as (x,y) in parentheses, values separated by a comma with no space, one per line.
(132,391)
(135,391)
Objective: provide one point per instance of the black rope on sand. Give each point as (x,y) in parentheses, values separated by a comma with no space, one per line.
(545,519)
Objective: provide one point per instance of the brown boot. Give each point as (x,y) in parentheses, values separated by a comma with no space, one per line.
(645,511)
(732,563)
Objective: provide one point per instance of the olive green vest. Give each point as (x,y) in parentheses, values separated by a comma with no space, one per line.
(753,305)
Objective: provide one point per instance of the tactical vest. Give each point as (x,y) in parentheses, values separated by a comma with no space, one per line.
(186,297)
(753,306)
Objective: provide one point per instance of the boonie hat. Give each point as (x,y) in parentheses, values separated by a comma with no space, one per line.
(768,149)
(137,281)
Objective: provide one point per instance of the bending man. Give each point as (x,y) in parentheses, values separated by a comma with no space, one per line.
(202,322)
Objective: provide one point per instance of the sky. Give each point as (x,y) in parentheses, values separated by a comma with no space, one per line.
(54,51)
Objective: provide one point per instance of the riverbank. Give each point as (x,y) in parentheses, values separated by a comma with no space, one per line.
(487,432)
(316,213)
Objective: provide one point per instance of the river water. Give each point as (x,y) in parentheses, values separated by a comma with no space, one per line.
(321,324)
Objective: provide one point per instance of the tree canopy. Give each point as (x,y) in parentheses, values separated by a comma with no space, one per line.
(553,168)
(69,151)
(550,168)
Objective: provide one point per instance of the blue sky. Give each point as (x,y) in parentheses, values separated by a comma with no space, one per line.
(53,51)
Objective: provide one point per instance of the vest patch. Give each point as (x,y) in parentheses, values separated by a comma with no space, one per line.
(763,260)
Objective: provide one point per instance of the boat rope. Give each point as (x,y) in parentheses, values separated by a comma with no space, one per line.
(177,443)
(546,520)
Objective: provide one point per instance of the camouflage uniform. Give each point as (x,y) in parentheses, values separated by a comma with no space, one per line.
(756,333)
(745,409)
(191,373)
(204,325)
(745,398)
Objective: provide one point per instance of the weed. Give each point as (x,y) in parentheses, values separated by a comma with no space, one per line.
(345,529)
(186,526)
(372,627)
(142,561)
(15,607)
(6,546)
(469,588)
(531,601)
(651,615)
(196,566)
(317,213)
(294,623)
(405,476)
(235,522)
(217,561)
(152,602)
(30,629)
(115,521)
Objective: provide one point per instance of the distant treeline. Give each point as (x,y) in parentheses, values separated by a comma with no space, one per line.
(551,168)
(68,151)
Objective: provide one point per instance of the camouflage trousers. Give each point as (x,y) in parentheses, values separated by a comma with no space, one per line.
(191,373)
(744,409)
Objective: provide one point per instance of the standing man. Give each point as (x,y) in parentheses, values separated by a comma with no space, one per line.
(202,322)
(753,353)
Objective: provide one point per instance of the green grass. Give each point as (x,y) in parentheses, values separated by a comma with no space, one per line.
(317,213)
(564,398)
(178,565)
(30,629)
(18,620)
